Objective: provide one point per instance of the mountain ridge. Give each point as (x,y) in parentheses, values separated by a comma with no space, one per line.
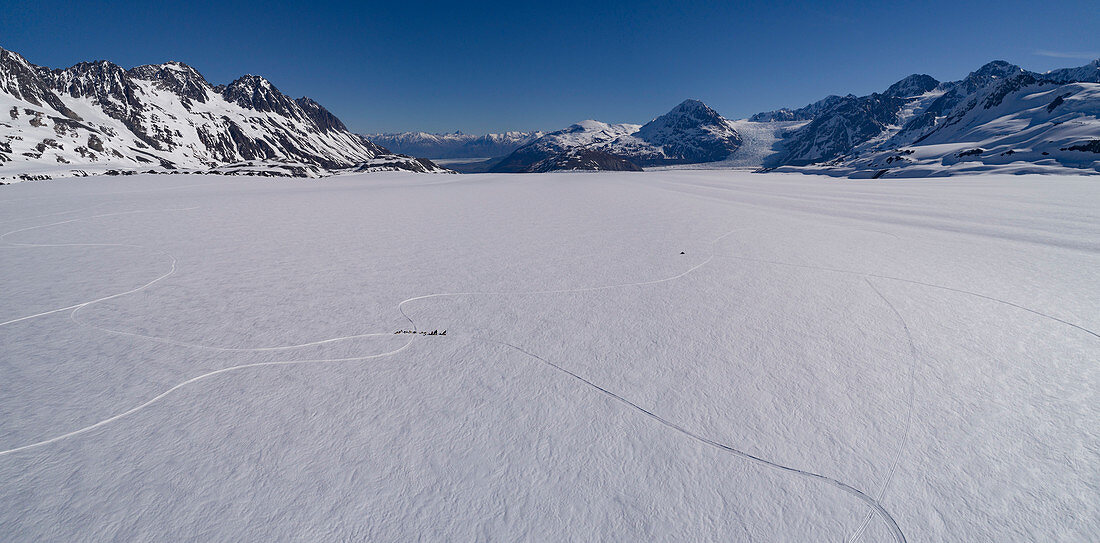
(96,117)
(690,133)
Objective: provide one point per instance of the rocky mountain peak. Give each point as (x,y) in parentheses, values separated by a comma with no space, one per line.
(255,92)
(143,119)
(587,125)
(688,114)
(22,80)
(913,85)
(321,117)
(998,69)
(176,77)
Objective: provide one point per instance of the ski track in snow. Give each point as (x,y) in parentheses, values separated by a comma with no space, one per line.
(899,536)
(400,306)
(874,505)
(171,271)
(908,414)
(912,281)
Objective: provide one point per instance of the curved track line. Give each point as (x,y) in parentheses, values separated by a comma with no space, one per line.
(166,341)
(899,537)
(77,307)
(872,503)
(400,307)
(583,289)
(960,291)
(908,415)
(97,300)
(199,378)
(103,299)
(52,214)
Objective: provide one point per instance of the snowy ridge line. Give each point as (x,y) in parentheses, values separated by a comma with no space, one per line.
(915,282)
(97,300)
(193,380)
(899,536)
(908,415)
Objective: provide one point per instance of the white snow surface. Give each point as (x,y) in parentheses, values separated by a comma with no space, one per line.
(673,355)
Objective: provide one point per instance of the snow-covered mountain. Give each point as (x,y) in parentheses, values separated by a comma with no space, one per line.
(96,117)
(544,150)
(806,113)
(1000,117)
(690,133)
(454,144)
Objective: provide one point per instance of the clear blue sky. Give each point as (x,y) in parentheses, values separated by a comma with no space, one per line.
(492,66)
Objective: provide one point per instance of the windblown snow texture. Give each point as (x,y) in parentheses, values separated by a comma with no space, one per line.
(655,356)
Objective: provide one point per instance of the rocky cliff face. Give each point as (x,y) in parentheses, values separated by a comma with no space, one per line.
(97,117)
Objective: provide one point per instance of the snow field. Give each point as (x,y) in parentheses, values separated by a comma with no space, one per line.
(929,345)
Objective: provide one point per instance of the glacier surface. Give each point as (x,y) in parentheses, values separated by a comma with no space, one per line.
(669,355)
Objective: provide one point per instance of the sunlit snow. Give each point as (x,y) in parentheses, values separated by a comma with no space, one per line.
(659,356)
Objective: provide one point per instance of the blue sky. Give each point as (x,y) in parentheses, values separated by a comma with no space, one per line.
(494,66)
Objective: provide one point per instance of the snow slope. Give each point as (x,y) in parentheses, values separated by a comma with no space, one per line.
(643,356)
(95,117)
(1000,118)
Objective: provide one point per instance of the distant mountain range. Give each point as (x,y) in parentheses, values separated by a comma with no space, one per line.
(96,117)
(999,118)
(454,144)
(690,133)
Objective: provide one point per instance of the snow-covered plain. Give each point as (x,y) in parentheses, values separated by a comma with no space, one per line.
(675,355)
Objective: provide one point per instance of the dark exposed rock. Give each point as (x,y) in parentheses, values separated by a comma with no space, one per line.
(840,128)
(1059,100)
(1090,147)
(175,77)
(320,116)
(584,159)
(913,85)
(23,80)
(255,92)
